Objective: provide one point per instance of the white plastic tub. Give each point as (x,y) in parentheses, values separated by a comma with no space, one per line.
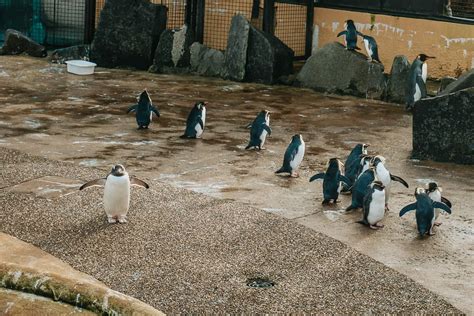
(80,67)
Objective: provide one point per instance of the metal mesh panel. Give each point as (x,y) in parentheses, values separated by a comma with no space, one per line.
(217,18)
(463,8)
(290,26)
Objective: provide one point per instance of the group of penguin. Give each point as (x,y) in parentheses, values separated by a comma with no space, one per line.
(418,73)
(365,176)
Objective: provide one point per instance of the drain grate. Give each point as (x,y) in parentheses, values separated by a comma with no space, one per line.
(260,283)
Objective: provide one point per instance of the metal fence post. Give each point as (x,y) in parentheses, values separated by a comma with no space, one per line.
(201,7)
(309,28)
(269,16)
(89,21)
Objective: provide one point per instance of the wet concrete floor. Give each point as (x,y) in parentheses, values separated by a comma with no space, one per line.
(50,113)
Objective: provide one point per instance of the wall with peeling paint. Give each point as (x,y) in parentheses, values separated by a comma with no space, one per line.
(451,43)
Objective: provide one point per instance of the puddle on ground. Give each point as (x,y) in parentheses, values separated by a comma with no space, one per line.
(49,187)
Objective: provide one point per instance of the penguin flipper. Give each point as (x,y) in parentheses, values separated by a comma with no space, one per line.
(93,183)
(442,206)
(249,125)
(360,34)
(446,201)
(398,179)
(132,108)
(201,123)
(138,182)
(409,207)
(342,33)
(267,128)
(317,176)
(345,179)
(155,110)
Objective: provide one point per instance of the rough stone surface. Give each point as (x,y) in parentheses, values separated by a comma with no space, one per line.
(398,80)
(465,81)
(173,51)
(128,33)
(206,61)
(17,43)
(444,82)
(334,69)
(443,128)
(79,52)
(268,58)
(236,51)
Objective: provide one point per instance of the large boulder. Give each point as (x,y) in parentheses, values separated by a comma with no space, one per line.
(206,61)
(465,81)
(173,51)
(444,83)
(268,58)
(79,52)
(236,52)
(443,128)
(17,43)
(128,33)
(334,69)
(398,80)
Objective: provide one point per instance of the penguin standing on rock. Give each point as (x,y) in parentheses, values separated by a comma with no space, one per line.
(417,76)
(425,214)
(331,180)
(144,110)
(434,192)
(259,130)
(371,48)
(116,193)
(293,156)
(350,34)
(374,205)
(196,121)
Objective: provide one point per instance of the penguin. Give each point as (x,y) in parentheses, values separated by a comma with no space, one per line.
(371,48)
(116,192)
(434,192)
(360,188)
(425,214)
(365,163)
(196,121)
(293,156)
(144,110)
(374,205)
(385,177)
(351,166)
(350,34)
(332,179)
(417,75)
(259,130)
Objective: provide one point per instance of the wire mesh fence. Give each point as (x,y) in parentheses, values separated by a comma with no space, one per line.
(462,8)
(290,26)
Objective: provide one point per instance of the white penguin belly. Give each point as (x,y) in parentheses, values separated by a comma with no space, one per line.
(198,130)
(117,195)
(417,93)
(376,208)
(436,196)
(384,176)
(424,72)
(263,136)
(295,163)
(367,48)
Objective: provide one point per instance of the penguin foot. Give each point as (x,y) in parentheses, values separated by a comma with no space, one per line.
(111,220)
(325,202)
(437,223)
(379,225)
(374,227)
(294,175)
(122,219)
(431,232)
(386,208)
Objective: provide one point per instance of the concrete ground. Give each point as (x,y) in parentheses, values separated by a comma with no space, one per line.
(81,120)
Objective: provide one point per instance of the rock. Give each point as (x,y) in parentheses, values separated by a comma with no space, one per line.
(173,51)
(268,58)
(465,81)
(444,82)
(398,80)
(443,128)
(236,53)
(334,69)
(206,61)
(79,52)
(17,43)
(128,33)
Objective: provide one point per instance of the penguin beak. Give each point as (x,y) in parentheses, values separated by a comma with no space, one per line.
(430,57)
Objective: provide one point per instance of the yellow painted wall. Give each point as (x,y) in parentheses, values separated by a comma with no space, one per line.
(451,43)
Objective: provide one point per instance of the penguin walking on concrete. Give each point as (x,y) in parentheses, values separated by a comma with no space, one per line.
(350,33)
(144,110)
(293,156)
(371,48)
(374,205)
(385,177)
(332,179)
(360,188)
(425,214)
(434,192)
(116,192)
(196,121)
(351,166)
(259,130)
(417,77)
